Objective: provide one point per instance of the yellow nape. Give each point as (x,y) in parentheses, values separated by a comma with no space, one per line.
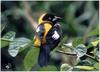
(36,42)
(40,20)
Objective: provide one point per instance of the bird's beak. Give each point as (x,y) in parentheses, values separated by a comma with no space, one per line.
(58,18)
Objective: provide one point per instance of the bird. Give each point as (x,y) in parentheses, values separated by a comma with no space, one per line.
(47,36)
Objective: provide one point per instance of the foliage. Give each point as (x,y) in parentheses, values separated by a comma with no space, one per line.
(17,44)
(79,46)
(31,58)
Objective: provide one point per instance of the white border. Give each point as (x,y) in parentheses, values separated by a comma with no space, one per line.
(51,0)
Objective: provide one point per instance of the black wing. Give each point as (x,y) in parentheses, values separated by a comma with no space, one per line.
(50,40)
(51,43)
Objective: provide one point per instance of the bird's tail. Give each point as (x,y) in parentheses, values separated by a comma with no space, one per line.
(43,58)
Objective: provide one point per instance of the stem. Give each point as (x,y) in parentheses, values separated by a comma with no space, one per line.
(65,52)
(28,15)
(91,57)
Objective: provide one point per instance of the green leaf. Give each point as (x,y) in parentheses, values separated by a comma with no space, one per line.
(94,32)
(16,44)
(81,50)
(4,42)
(88,68)
(66,67)
(31,58)
(95,43)
(97,55)
(2,27)
(91,60)
(48,68)
(7,38)
(77,41)
(85,62)
(9,35)
(96,65)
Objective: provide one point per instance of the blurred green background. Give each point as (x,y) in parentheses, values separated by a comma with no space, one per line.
(80,19)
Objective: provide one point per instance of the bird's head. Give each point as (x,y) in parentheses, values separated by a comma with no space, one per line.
(49,17)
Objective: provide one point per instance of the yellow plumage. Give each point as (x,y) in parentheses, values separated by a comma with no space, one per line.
(36,41)
(47,27)
(41,17)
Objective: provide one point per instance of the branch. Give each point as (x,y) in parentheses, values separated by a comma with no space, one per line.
(75,54)
(91,57)
(65,52)
(28,15)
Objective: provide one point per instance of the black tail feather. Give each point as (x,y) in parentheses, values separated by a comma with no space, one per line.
(44,56)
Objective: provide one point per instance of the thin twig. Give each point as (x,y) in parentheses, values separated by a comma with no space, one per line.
(65,52)
(28,15)
(91,57)
(75,54)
